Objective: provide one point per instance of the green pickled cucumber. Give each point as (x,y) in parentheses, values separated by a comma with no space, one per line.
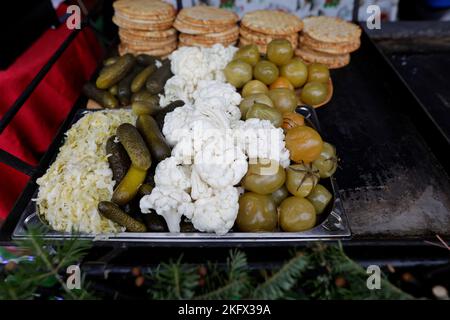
(140,108)
(155,83)
(155,140)
(145,189)
(115,72)
(113,90)
(144,96)
(104,98)
(112,212)
(110,61)
(160,115)
(139,81)
(129,186)
(155,222)
(124,86)
(135,146)
(145,59)
(119,161)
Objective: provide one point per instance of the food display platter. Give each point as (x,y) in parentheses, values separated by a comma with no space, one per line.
(332,226)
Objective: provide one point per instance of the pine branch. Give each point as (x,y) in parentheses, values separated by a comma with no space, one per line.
(276,286)
(174,280)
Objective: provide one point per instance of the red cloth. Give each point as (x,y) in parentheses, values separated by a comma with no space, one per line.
(33,128)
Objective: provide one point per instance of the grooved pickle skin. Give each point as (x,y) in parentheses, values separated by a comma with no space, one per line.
(155,83)
(135,146)
(115,72)
(104,98)
(119,161)
(140,79)
(112,212)
(156,142)
(124,86)
(129,186)
(141,107)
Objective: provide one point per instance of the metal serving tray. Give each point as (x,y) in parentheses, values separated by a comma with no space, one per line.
(333,223)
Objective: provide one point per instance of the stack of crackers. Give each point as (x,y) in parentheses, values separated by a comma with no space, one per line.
(328,40)
(145,26)
(262,26)
(205,26)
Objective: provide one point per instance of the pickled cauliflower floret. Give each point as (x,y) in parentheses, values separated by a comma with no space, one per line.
(169,202)
(169,172)
(217,213)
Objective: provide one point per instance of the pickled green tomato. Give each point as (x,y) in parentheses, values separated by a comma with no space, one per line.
(326,163)
(295,71)
(266,72)
(318,72)
(248,54)
(264,177)
(257,212)
(301,179)
(297,214)
(279,195)
(238,73)
(264,112)
(279,51)
(320,197)
(314,93)
(254,87)
(283,99)
(249,101)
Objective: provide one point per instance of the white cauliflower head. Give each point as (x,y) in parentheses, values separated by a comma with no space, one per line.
(217,213)
(169,172)
(170,203)
(220,162)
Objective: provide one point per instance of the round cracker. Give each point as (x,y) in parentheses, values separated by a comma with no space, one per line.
(330,60)
(331,29)
(154,52)
(149,44)
(329,47)
(200,42)
(272,22)
(210,37)
(244,41)
(182,44)
(265,38)
(144,8)
(148,34)
(205,15)
(142,26)
(132,38)
(190,28)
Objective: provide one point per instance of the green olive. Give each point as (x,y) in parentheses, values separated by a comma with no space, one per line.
(264,112)
(254,87)
(301,179)
(314,93)
(283,99)
(249,101)
(326,163)
(257,212)
(248,54)
(295,71)
(297,214)
(264,177)
(318,73)
(279,195)
(266,72)
(320,197)
(280,51)
(238,73)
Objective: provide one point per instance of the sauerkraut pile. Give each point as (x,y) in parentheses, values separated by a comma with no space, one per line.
(80,177)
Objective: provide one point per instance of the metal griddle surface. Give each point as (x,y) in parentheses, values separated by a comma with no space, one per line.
(392,184)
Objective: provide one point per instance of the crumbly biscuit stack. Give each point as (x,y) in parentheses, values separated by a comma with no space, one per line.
(262,26)
(328,40)
(205,26)
(145,26)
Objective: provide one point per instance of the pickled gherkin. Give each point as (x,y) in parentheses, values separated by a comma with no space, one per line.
(115,72)
(112,212)
(140,79)
(129,186)
(156,142)
(135,146)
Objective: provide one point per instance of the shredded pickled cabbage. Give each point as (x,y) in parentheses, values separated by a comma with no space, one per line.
(80,177)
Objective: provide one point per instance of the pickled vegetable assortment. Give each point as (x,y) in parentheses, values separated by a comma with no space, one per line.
(286,79)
